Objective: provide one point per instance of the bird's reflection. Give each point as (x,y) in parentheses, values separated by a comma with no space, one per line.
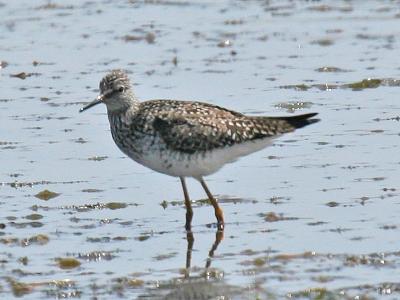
(209,284)
(219,236)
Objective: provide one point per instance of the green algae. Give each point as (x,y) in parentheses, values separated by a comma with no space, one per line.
(259,262)
(68,263)
(368,83)
(34,217)
(46,195)
(116,205)
(142,238)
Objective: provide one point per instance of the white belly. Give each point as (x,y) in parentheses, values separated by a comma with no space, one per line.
(199,164)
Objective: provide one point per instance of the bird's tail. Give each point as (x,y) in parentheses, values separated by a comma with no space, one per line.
(299,121)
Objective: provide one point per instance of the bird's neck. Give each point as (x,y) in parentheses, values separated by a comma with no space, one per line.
(125,115)
(127,105)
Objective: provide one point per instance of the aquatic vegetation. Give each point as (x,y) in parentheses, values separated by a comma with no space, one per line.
(365,84)
(46,195)
(68,263)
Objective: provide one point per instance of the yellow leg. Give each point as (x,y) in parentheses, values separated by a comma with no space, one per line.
(219,214)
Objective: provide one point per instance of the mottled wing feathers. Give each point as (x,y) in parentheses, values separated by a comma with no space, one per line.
(192,127)
(185,134)
(190,134)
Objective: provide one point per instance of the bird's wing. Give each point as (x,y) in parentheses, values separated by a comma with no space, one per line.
(197,126)
(196,133)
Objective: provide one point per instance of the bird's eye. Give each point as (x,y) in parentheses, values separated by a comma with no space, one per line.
(121,89)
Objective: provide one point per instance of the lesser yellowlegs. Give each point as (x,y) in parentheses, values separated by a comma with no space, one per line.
(186,138)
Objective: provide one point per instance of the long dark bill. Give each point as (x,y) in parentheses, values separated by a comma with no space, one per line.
(96,101)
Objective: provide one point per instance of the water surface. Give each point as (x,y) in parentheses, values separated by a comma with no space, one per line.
(316,215)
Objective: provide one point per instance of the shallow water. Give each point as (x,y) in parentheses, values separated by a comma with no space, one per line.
(316,215)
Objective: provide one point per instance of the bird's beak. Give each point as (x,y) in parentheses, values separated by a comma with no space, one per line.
(96,101)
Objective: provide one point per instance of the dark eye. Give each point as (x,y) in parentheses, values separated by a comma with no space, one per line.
(121,89)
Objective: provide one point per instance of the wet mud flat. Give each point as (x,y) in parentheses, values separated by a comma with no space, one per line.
(315,216)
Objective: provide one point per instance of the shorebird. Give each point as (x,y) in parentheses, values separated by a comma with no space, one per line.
(186,138)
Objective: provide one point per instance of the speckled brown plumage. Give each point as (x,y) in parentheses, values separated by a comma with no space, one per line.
(185,138)
(193,127)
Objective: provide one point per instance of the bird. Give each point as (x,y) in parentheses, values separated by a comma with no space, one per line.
(186,138)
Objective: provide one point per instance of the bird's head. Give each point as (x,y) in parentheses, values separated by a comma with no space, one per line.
(115,92)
